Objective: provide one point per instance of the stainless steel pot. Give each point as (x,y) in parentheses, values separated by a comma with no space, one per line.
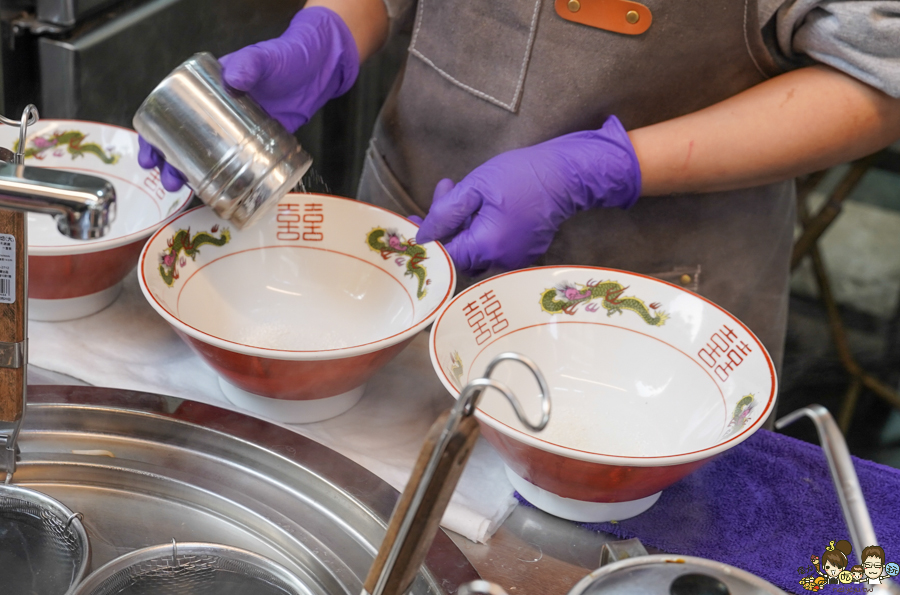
(238,159)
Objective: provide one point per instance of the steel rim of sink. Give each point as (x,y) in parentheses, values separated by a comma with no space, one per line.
(295,501)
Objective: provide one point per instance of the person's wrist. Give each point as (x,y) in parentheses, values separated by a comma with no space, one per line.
(611,172)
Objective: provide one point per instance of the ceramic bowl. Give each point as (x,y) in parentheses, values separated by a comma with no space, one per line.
(70,278)
(296,312)
(648,382)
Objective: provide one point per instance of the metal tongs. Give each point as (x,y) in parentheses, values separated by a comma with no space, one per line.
(441,461)
(846,482)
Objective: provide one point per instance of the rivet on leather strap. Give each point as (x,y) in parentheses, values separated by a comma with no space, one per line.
(619,16)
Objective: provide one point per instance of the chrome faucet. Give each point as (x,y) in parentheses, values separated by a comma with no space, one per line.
(84,207)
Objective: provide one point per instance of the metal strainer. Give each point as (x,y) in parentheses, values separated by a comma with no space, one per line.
(44,549)
(43,545)
(191,568)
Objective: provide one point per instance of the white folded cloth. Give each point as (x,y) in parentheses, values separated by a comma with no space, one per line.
(129,346)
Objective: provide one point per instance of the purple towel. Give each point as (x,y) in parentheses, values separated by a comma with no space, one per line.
(765,506)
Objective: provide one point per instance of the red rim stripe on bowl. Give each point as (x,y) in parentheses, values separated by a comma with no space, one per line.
(528,438)
(327,354)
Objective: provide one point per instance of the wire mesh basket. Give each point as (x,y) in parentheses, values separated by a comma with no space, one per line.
(191,569)
(44,549)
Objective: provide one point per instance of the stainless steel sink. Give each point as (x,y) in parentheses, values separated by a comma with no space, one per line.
(145,469)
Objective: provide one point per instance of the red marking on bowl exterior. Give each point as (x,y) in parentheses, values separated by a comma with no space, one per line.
(575,470)
(296,374)
(293,380)
(584,480)
(76,275)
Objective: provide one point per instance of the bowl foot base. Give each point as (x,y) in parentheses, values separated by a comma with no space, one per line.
(578,510)
(72,308)
(288,411)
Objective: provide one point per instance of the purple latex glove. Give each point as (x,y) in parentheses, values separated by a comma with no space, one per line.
(149,157)
(291,76)
(505,213)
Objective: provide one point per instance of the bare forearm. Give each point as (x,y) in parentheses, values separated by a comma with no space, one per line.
(799,122)
(366,19)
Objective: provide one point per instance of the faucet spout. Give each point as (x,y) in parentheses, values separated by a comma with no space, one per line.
(84,206)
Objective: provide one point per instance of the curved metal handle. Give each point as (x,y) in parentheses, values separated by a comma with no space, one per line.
(32,120)
(621,550)
(464,407)
(853,504)
(846,482)
(30,117)
(470,395)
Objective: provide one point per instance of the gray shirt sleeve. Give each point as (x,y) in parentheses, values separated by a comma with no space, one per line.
(858,37)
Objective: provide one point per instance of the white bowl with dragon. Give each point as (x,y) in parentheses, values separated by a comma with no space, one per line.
(71,278)
(298,311)
(648,381)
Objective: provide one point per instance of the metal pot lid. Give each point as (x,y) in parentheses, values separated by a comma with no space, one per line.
(663,574)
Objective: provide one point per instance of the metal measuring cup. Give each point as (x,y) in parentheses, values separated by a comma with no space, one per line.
(237,158)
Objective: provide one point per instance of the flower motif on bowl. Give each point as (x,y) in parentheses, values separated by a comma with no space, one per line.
(169,260)
(567,297)
(72,141)
(392,245)
(740,417)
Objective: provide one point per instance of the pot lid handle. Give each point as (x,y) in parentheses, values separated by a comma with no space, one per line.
(621,550)
(846,483)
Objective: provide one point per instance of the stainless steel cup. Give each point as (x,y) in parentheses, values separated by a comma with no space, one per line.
(237,158)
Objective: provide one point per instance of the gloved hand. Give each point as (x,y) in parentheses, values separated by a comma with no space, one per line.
(148,158)
(505,213)
(291,76)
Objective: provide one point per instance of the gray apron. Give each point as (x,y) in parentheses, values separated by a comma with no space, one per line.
(487,77)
